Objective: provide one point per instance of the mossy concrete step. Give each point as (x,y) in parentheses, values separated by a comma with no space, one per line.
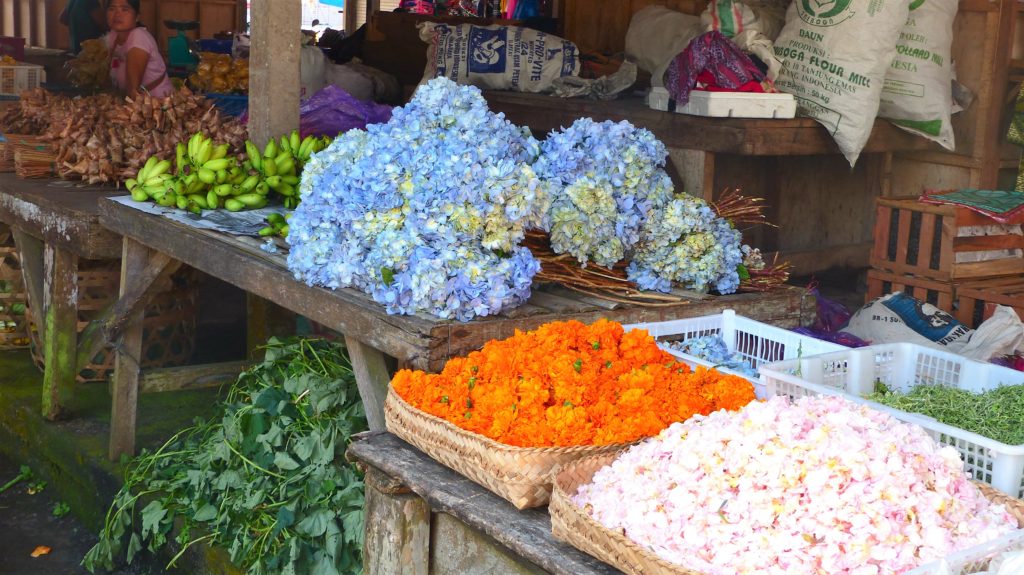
(71,456)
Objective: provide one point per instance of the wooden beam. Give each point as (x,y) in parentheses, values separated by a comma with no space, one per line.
(147,279)
(124,399)
(398,537)
(190,377)
(274,68)
(60,329)
(372,378)
(30,249)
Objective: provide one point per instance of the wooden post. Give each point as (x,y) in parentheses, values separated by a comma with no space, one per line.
(30,248)
(397,528)
(126,363)
(372,378)
(697,168)
(274,68)
(60,329)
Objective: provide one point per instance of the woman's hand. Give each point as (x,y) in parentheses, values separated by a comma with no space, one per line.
(135,67)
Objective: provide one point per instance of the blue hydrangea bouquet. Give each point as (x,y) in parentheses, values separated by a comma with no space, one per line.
(447,208)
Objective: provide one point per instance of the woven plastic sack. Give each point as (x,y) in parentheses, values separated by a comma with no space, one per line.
(835,54)
(656,35)
(497,57)
(916,95)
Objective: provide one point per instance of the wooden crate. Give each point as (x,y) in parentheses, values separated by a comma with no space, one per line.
(941,294)
(980,298)
(923,240)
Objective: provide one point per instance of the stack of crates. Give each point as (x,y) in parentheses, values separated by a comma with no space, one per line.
(951,257)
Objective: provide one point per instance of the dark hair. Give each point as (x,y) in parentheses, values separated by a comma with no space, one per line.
(134,4)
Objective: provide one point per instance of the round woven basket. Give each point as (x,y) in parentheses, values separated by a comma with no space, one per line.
(574,526)
(521,475)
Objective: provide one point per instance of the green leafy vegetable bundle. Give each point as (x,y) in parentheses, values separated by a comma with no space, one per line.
(266,480)
(997,414)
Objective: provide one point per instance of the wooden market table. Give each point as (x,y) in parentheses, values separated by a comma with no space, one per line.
(422,517)
(154,247)
(55,223)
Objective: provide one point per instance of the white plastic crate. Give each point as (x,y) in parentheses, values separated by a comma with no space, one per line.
(728,104)
(16,79)
(853,373)
(756,342)
(974,559)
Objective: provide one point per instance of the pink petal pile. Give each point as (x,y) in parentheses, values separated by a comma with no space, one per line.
(818,485)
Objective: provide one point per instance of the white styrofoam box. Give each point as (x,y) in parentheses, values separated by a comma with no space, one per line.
(739,105)
(16,79)
(974,559)
(658,99)
(727,104)
(756,342)
(853,373)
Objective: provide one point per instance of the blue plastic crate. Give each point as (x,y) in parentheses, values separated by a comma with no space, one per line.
(230,104)
(215,45)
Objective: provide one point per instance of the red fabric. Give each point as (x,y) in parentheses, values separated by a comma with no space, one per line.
(706,81)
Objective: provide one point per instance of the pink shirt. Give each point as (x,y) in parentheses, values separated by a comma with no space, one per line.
(156,70)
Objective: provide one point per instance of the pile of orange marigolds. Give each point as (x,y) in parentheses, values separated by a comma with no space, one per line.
(568,384)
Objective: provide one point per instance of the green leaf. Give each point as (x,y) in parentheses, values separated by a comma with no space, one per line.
(134,546)
(304,447)
(743,272)
(205,513)
(152,515)
(284,461)
(387,275)
(315,524)
(285,518)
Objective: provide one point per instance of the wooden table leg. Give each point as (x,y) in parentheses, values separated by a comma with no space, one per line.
(30,250)
(397,528)
(372,378)
(140,267)
(60,330)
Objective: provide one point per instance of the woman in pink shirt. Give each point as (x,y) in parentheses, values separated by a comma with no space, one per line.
(136,65)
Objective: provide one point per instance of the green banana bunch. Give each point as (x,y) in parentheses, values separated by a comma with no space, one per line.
(277,225)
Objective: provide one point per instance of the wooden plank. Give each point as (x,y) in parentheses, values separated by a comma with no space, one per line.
(372,379)
(903,238)
(146,279)
(125,393)
(163,379)
(457,549)
(31,249)
(798,136)
(986,243)
(397,529)
(60,330)
(526,534)
(60,213)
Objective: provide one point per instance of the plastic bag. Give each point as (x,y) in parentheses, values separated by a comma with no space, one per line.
(333,111)
(656,35)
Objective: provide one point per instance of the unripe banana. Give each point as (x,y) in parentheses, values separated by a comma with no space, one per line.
(286,167)
(199,200)
(294,140)
(207,176)
(205,151)
(252,200)
(285,145)
(130,184)
(286,190)
(284,229)
(252,152)
(290,180)
(219,152)
(269,167)
(249,183)
(262,188)
(275,219)
(273,181)
(212,200)
(223,189)
(181,202)
(306,148)
(139,195)
(218,164)
(222,176)
(267,231)
(233,205)
(167,200)
(270,151)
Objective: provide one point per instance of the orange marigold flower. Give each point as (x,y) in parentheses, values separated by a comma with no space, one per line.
(566,384)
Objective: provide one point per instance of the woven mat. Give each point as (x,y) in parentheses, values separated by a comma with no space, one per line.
(1002,206)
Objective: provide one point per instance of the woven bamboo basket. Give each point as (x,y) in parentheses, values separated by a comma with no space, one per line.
(34,161)
(13,301)
(572,525)
(521,475)
(8,148)
(168,327)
